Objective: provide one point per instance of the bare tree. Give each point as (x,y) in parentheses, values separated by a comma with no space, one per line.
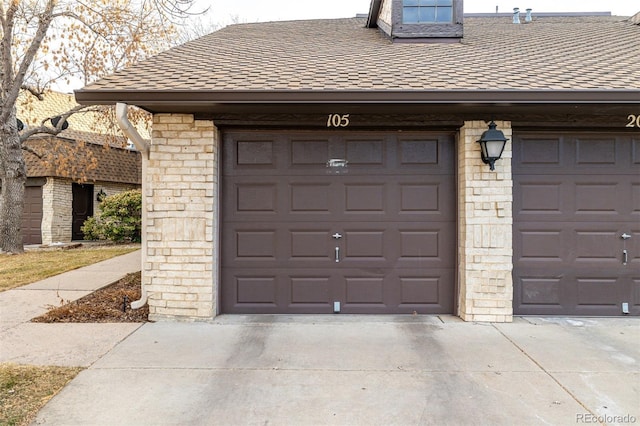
(47,41)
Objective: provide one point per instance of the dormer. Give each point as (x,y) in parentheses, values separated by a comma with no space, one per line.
(418,20)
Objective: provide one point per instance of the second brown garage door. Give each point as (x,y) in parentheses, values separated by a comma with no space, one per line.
(576,224)
(355,222)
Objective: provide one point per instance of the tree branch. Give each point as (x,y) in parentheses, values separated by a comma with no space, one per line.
(50,130)
(43,25)
(32,151)
(35,91)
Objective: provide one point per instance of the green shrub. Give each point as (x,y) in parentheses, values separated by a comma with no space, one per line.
(120,218)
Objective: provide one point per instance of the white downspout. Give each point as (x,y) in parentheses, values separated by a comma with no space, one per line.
(128,129)
(130,132)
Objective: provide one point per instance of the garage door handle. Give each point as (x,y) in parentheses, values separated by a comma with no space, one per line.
(337,254)
(625,257)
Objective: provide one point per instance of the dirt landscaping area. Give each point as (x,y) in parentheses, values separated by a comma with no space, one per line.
(109,304)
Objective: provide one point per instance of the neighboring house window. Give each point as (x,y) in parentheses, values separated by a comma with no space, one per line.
(427,11)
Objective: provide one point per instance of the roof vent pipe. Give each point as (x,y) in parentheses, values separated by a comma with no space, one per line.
(528,18)
(516,15)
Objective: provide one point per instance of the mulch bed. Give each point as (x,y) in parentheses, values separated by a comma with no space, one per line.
(109,304)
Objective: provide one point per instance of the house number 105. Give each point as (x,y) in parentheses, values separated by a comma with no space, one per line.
(634,121)
(338,120)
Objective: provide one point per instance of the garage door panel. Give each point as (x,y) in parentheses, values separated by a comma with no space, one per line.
(635,290)
(311,198)
(256,289)
(584,198)
(419,151)
(369,151)
(420,244)
(272,290)
(593,151)
(312,152)
(600,247)
(593,292)
(420,290)
(307,290)
(254,197)
(32,215)
(536,196)
(256,245)
(388,218)
(537,152)
(365,198)
(310,245)
(541,245)
(569,217)
(635,197)
(597,198)
(256,153)
(368,290)
(419,198)
(539,290)
(365,245)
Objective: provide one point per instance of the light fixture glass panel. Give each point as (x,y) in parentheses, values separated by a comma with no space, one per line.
(494,148)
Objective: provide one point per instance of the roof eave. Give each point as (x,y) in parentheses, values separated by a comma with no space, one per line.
(549,96)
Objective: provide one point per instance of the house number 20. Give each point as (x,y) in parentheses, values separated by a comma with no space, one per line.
(634,121)
(338,120)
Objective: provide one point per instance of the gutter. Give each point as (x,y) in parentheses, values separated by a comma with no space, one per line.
(130,131)
(175,98)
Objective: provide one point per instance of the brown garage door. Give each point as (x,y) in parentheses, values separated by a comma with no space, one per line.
(32,215)
(363,219)
(576,224)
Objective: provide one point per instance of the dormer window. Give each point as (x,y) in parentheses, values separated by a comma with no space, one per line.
(427,11)
(418,21)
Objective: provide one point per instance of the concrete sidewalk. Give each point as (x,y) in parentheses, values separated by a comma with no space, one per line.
(361,370)
(24,342)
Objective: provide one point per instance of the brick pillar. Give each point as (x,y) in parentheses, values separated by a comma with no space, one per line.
(485,230)
(57,210)
(180,219)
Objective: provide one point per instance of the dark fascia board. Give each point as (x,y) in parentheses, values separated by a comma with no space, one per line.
(199,98)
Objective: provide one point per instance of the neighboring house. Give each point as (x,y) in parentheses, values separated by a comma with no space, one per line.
(333,165)
(72,171)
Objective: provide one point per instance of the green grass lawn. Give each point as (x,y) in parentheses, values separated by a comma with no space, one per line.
(20,269)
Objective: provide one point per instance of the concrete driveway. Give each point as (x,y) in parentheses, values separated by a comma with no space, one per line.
(361,370)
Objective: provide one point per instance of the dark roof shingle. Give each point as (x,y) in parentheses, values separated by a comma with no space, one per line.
(555,53)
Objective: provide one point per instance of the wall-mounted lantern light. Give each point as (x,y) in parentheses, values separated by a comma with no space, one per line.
(492,144)
(101,195)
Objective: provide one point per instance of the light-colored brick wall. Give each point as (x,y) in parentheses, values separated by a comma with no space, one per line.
(180,219)
(57,213)
(485,241)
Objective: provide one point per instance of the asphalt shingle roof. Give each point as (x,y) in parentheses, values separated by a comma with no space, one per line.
(560,53)
(111,164)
